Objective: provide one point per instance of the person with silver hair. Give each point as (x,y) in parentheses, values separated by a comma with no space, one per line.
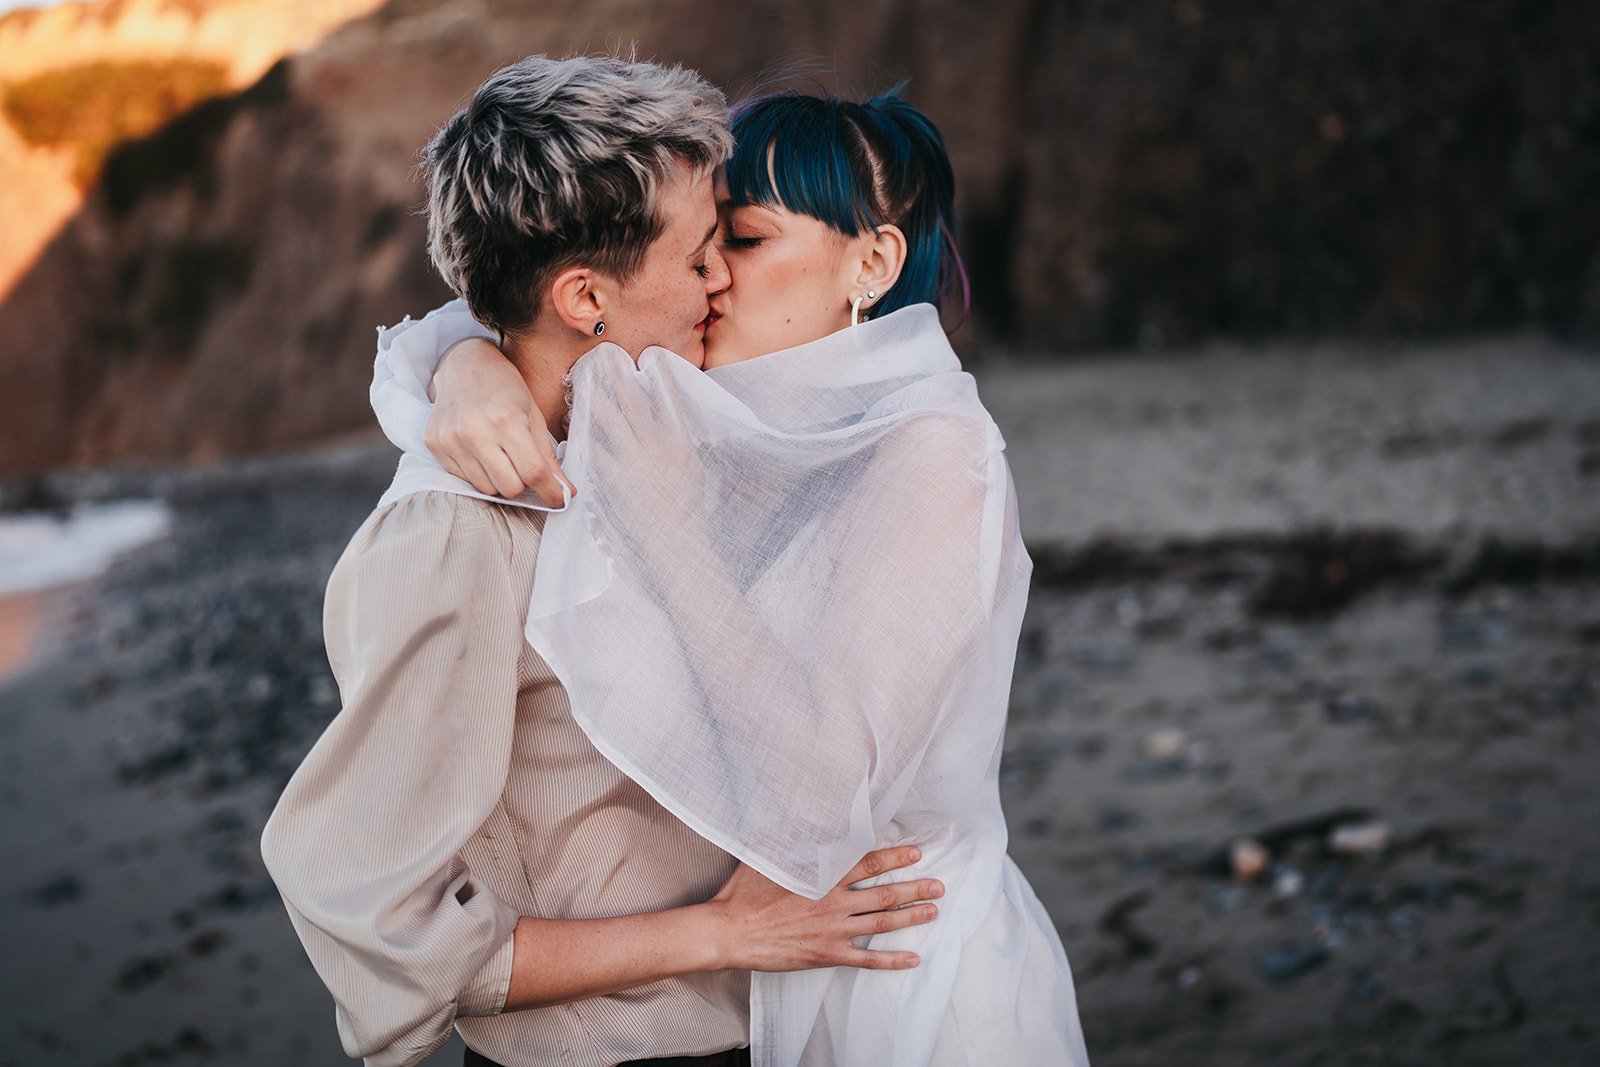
(787,602)
(454,851)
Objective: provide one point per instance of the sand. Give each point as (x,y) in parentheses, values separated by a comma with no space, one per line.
(1277,592)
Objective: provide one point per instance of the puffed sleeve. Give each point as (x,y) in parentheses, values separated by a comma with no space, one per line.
(423,632)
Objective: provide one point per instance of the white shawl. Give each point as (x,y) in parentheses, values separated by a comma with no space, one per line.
(786,603)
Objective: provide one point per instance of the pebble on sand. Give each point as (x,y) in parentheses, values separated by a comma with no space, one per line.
(1359,839)
(1248,858)
(1166,743)
(1290,959)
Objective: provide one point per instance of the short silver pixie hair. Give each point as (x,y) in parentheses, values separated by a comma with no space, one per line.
(558,162)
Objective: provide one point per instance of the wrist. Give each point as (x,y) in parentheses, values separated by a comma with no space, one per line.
(706,945)
(468,350)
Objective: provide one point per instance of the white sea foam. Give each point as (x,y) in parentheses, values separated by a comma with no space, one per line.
(38,550)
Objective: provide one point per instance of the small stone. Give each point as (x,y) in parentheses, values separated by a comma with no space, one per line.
(1226,897)
(1325,881)
(64,888)
(1167,743)
(1114,819)
(1362,988)
(1248,859)
(1289,960)
(1348,707)
(1359,839)
(1286,881)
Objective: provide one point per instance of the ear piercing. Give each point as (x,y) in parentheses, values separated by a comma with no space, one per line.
(600,327)
(855,306)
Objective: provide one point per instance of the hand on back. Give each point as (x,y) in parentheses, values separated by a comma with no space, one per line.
(764,927)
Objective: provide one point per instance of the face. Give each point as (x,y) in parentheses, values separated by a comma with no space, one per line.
(665,303)
(789,280)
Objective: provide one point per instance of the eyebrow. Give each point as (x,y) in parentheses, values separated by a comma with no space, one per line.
(712,232)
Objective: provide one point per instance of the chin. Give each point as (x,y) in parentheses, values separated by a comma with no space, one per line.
(694,353)
(719,355)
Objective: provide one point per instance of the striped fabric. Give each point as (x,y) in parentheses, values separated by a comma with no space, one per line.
(454,793)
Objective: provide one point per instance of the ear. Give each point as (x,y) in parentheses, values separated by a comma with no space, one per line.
(578,298)
(883,256)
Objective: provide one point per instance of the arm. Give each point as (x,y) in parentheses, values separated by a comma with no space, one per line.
(486,429)
(365,845)
(423,635)
(751,924)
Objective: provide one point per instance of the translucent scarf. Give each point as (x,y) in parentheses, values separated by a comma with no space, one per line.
(786,602)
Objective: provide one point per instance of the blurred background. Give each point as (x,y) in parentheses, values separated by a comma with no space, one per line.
(1289,314)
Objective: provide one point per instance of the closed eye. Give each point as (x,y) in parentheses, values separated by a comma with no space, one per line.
(742,242)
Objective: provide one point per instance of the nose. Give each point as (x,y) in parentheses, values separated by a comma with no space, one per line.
(717,275)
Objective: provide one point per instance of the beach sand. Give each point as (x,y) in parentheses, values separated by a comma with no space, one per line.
(1278,592)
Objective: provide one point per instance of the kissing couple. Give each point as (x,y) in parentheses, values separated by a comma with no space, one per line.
(674,664)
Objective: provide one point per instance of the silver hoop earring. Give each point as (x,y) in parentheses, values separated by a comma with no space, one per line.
(855,307)
(599,328)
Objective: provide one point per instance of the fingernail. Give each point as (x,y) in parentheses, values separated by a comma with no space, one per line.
(930,911)
(916,854)
(913,960)
(938,890)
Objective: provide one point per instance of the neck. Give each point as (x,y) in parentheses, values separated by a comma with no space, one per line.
(542,354)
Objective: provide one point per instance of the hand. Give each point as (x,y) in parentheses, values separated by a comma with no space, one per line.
(760,926)
(486,429)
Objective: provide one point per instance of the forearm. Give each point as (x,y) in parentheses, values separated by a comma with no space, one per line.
(557,961)
(464,358)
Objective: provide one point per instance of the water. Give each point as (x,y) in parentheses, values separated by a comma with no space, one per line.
(39,550)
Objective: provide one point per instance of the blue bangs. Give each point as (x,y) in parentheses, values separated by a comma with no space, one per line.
(811,172)
(823,153)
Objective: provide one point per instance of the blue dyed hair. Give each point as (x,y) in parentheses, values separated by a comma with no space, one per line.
(856,166)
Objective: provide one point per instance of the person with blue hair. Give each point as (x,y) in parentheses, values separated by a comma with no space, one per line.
(781,578)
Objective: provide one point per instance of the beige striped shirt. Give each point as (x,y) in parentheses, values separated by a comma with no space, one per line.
(454,793)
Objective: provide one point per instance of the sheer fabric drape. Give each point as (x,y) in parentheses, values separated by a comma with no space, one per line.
(786,602)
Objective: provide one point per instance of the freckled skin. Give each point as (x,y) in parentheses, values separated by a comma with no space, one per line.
(665,302)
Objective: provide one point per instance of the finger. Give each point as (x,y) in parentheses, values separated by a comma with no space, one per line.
(875,960)
(450,465)
(893,895)
(880,860)
(881,922)
(545,486)
(507,482)
(473,472)
(531,450)
(572,490)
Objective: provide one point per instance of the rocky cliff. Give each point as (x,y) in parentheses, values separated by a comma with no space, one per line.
(62,55)
(1133,172)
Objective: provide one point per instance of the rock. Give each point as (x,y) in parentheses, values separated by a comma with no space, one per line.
(1248,859)
(64,888)
(1166,743)
(1114,819)
(1359,839)
(1286,881)
(1362,988)
(1289,960)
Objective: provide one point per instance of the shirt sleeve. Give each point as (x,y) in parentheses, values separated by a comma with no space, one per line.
(424,633)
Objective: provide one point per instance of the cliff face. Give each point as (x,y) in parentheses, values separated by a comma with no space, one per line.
(246,35)
(41,176)
(1132,173)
